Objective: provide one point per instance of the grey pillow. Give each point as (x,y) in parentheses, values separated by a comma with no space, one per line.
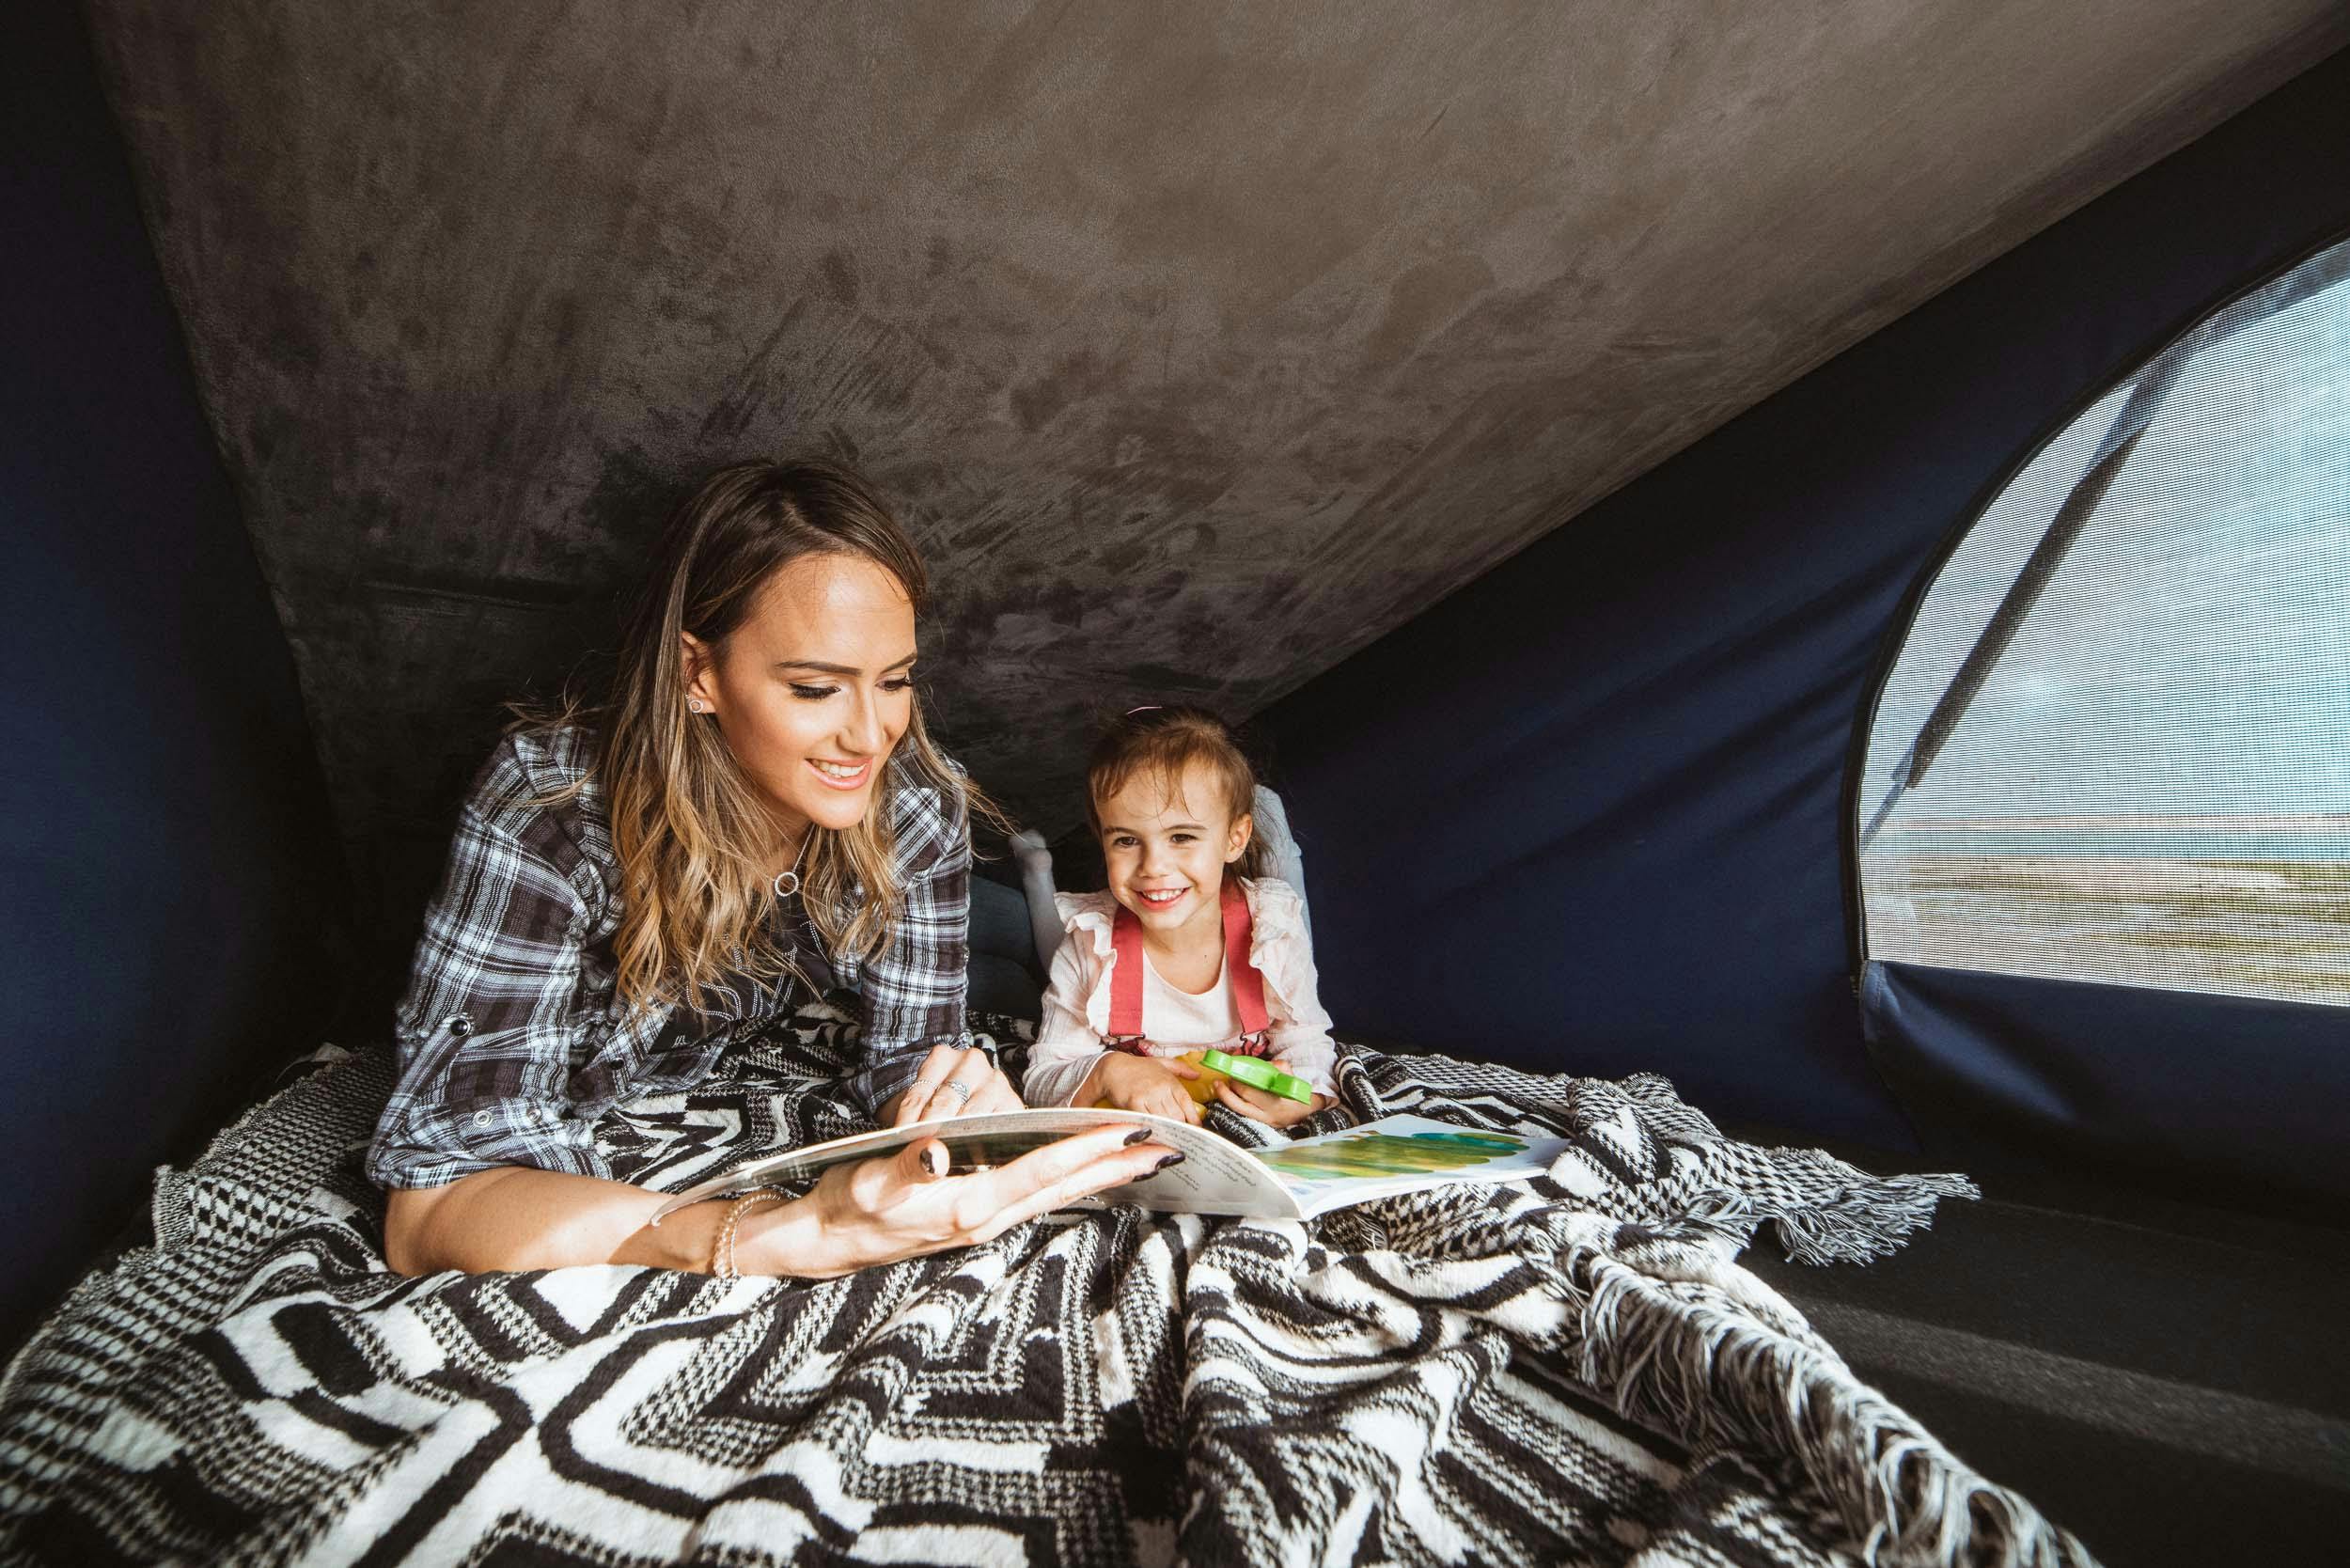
(1005,974)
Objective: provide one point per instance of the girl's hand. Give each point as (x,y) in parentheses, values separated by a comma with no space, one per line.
(1148,1084)
(933,1094)
(1273,1110)
(880,1211)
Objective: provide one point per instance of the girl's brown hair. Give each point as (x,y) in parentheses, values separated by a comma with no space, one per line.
(1159,744)
(692,833)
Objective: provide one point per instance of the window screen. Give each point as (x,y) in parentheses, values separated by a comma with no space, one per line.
(2115,743)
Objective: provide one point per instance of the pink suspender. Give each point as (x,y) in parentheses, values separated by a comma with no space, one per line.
(1126,974)
(1247,985)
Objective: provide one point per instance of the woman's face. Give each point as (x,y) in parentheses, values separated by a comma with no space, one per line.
(814,687)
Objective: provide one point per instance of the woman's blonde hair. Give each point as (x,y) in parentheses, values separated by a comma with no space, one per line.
(692,833)
(1158,744)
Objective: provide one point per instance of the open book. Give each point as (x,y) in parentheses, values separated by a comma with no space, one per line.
(1385,1158)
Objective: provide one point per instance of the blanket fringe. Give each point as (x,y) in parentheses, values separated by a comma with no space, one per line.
(1721,1218)
(1866,1218)
(1708,1370)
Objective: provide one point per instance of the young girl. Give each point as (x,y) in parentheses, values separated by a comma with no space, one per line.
(1188,949)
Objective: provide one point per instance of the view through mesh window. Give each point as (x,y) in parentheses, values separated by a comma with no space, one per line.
(2116,743)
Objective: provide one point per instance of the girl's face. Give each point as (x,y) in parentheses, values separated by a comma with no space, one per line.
(1167,844)
(814,687)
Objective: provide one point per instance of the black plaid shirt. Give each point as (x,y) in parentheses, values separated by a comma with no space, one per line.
(512,1038)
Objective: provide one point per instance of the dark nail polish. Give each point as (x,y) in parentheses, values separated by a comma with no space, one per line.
(1176,1158)
(935,1160)
(1140,1134)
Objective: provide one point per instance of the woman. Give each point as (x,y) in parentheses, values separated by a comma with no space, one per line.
(635,890)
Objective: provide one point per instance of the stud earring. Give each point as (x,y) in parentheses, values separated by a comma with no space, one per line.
(697,704)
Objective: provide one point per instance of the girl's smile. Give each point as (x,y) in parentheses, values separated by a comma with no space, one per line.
(1165,842)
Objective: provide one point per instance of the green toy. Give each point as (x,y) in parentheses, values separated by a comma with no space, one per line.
(1255,1072)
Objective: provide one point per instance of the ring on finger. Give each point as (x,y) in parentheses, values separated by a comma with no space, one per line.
(956,1087)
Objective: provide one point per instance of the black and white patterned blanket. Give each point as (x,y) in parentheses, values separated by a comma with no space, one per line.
(1575,1371)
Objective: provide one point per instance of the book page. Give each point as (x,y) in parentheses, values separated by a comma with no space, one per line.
(1385,1158)
(1216,1178)
(1396,1154)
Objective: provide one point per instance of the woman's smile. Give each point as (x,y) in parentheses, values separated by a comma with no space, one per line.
(842,775)
(826,659)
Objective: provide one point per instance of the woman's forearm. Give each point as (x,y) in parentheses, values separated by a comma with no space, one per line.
(519,1218)
(876,1210)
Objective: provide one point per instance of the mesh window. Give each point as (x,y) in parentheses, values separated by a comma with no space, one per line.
(2115,744)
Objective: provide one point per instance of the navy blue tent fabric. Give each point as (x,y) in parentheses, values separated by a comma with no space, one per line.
(1589,813)
(169,861)
(2191,1091)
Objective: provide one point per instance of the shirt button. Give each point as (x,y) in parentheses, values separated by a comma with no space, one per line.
(481,1118)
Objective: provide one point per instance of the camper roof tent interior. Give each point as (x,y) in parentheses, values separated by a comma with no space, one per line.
(1802,553)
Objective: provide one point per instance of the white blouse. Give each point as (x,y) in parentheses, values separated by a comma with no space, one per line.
(1188,1020)
(1077,998)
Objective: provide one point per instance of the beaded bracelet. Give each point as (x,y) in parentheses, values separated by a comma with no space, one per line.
(722,1254)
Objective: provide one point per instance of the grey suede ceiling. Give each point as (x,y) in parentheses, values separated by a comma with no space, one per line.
(1198,344)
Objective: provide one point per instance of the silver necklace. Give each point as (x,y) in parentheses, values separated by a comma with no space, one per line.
(787,883)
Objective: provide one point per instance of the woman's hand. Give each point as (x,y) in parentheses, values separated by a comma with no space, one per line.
(881,1211)
(1149,1084)
(1273,1110)
(954,1083)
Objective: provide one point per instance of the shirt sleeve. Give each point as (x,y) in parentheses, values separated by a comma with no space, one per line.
(1066,1046)
(913,989)
(489,1025)
(1283,859)
(1302,1035)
